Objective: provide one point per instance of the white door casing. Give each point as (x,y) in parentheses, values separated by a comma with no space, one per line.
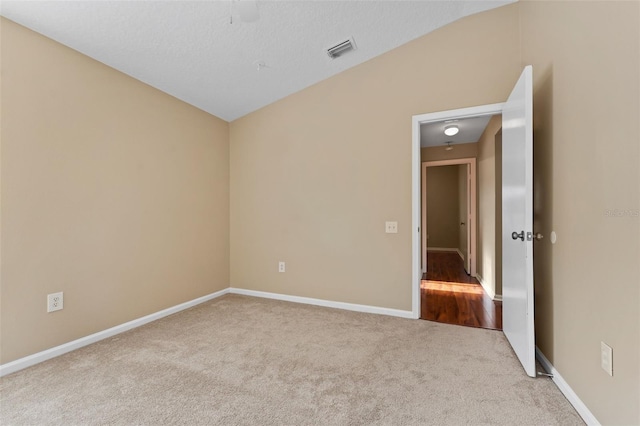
(517,221)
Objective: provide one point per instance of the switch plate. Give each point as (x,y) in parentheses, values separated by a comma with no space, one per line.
(55,302)
(281,267)
(606,358)
(391,227)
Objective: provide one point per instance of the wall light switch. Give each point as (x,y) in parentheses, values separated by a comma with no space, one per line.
(391,227)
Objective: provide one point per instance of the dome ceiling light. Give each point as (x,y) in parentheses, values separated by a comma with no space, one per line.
(451,130)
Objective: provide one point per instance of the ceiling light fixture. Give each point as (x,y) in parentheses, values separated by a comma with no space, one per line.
(449,147)
(451,130)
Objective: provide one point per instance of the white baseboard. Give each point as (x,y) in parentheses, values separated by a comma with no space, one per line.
(325,303)
(45,355)
(485,286)
(564,387)
(491,292)
(443,249)
(39,357)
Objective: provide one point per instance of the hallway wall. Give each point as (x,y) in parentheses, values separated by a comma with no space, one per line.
(443,204)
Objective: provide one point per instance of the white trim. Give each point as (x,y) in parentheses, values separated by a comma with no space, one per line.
(453,162)
(491,292)
(416,121)
(564,387)
(424,235)
(45,355)
(326,303)
(462,257)
(416,229)
(476,111)
(452,249)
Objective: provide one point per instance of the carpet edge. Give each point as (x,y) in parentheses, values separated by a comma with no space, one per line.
(566,390)
(325,303)
(47,354)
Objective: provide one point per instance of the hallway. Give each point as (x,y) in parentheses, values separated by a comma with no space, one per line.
(451,296)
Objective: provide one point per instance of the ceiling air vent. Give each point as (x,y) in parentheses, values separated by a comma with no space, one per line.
(341,48)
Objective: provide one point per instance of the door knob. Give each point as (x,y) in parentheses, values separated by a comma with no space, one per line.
(515,235)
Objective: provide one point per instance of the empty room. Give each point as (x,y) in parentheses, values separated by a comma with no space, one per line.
(211,212)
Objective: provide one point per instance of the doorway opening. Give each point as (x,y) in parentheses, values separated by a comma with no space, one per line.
(446,287)
(452,289)
(448,199)
(449,289)
(517,212)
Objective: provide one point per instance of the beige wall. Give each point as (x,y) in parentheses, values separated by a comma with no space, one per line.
(346,141)
(139,208)
(586,162)
(438,153)
(442,207)
(315,175)
(487,202)
(112,192)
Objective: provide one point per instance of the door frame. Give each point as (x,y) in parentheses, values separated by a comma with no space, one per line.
(416,219)
(471,214)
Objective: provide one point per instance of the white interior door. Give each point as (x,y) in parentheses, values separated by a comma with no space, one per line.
(469,226)
(517,221)
(463,216)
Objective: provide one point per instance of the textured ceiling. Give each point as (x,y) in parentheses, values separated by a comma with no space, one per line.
(432,134)
(190,49)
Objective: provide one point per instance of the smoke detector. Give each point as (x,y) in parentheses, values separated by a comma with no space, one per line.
(341,48)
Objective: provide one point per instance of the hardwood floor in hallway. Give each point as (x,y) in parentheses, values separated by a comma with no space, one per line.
(451,296)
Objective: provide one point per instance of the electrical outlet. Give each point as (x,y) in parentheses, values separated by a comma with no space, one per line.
(281,267)
(55,302)
(391,227)
(606,358)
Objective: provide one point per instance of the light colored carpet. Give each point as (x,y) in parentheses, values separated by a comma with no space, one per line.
(243,360)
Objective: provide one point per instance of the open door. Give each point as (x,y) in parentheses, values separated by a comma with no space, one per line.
(464,198)
(469,218)
(517,221)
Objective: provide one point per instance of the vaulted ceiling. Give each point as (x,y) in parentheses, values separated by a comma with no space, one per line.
(203,53)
